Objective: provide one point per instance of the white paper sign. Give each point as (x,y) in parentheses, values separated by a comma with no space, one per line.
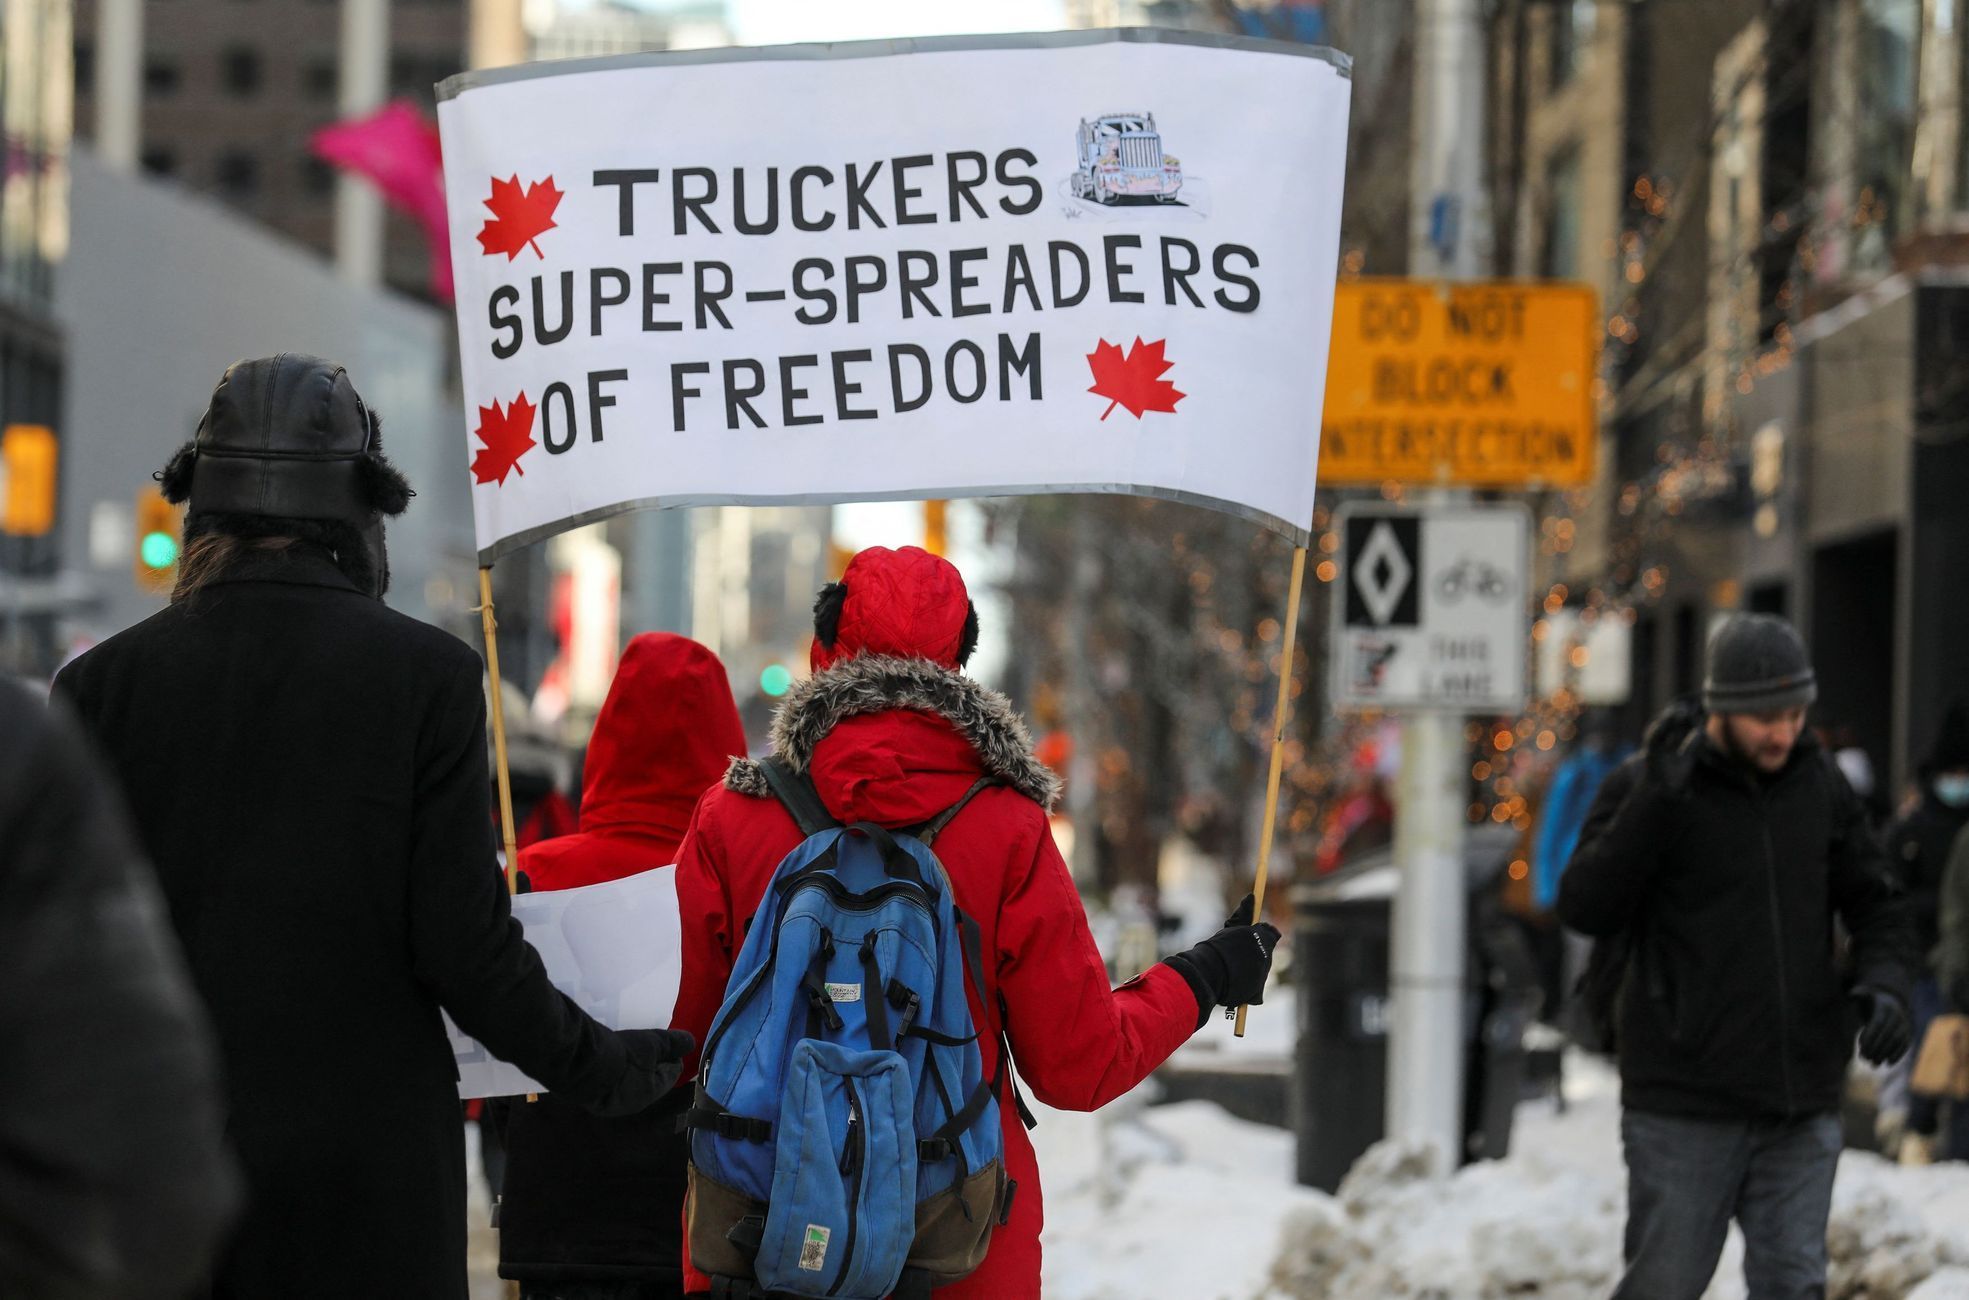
(614,948)
(1430,611)
(1085,261)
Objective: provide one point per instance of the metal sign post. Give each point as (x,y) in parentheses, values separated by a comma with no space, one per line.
(1430,619)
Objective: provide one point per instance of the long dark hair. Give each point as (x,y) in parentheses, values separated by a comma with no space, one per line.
(209,555)
(214,543)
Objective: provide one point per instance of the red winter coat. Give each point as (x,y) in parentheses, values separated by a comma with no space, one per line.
(586,1198)
(666,733)
(896,741)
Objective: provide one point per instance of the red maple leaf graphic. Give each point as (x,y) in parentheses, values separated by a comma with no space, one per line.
(507,435)
(518,216)
(1131,380)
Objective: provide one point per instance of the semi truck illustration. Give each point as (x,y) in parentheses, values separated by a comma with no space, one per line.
(1121,157)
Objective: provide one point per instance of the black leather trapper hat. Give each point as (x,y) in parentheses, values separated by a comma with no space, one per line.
(286,436)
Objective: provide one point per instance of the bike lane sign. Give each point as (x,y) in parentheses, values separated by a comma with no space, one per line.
(1431,608)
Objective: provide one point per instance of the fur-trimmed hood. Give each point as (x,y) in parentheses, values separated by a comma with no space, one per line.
(870,684)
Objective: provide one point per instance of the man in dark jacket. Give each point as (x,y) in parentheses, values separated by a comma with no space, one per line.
(593,1209)
(1918,845)
(1724,851)
(114,1182)
(307,769)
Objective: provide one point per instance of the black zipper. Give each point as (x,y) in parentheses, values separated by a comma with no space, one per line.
(1777,938)
(853,1156)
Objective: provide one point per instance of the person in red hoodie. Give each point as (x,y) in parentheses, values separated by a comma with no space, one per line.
(892,732)
(593,1208)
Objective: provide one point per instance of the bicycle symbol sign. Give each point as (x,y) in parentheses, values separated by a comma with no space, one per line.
(1430,611)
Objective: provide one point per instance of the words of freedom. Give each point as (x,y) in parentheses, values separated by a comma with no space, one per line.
(667,297)
(654,298)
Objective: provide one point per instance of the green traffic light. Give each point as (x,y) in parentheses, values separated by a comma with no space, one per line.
(775,680)
(159,550)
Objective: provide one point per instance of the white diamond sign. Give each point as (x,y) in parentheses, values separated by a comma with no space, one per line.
(1382,573)
(1431,610)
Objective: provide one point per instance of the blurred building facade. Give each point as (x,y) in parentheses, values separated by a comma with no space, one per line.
(1773,202)
(35,126)
(233,91)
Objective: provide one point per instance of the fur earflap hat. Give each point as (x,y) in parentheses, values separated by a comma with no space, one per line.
(287,447)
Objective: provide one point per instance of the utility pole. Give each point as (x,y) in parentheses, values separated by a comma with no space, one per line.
(497,36)
(1448,237)
(120,83)
(365,73)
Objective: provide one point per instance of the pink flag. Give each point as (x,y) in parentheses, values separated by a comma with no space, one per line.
(396,150)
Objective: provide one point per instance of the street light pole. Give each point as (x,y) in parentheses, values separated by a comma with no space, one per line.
(365,82)
(497,38)
(120,83)
(1447,231)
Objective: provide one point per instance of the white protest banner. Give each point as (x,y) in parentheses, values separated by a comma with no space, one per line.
(1084,261)
(614,948)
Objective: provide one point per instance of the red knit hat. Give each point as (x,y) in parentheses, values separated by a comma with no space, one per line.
(908,603)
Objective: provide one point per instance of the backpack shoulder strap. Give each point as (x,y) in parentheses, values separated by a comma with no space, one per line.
(972,938)
(934,827)
(796,791)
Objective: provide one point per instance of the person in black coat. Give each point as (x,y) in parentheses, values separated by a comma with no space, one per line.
(307,769)
(1721,855)
(114,1179)
(1918,845)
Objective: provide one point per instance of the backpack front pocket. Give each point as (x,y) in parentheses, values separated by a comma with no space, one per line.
(843,1208)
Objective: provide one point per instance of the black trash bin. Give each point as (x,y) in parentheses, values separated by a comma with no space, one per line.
(1341,953)
(1340,1069)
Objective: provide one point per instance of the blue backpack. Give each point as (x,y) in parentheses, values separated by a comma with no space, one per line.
(845,1141)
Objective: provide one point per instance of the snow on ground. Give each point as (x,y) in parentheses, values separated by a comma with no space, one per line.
(1187,1203)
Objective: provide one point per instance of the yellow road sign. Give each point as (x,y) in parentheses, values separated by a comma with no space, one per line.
(28,453)
(1486,384)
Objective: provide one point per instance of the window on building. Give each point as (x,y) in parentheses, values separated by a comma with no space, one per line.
(1571,32)
(1558,253)
(162,77)
(1785,171)
(85,68)
(1887,50)
(239,69)
(318,178)
(160,162)
(416,76)
(322,79)
(238,175)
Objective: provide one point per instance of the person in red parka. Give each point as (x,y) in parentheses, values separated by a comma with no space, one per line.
(893,733)
(593,1208)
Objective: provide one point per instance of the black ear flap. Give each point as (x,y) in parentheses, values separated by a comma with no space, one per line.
(383,486)
(174,480)
(827,612)
(967,640)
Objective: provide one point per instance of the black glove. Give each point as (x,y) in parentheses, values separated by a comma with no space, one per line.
(656,1058)
(1229,968)
(1885,1032)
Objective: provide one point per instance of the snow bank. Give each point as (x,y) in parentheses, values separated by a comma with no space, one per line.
(1187,1203)
(1949,1284)
(1181,1201)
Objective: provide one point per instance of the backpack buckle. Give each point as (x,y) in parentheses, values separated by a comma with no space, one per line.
(823,1005)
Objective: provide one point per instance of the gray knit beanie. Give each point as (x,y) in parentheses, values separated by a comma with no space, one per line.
(1758,664)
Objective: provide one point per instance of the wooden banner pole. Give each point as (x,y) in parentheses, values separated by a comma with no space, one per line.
(498,702)
(1279,717)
